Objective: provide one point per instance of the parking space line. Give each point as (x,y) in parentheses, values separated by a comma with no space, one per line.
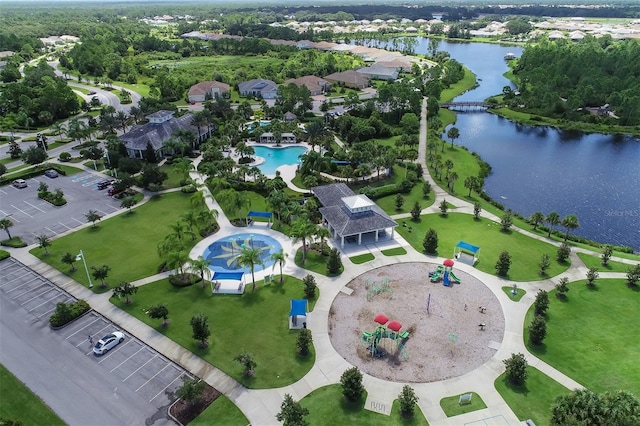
(35,207)
(8,215)
(21,211)
(35,297)
(45,302)
(64,225)
(128,358)
(16,278)
(22,285)
(137,369)
(151,378)
(81,223)
(53,309)
(101,212)
(111,352)
(165,388)
(50,230)
(71,335)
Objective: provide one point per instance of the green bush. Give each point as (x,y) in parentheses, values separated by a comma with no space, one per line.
(67,312)
(184,280)
(4,254)
(64,156)
(15,242)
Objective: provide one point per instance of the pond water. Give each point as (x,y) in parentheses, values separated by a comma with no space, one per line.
(595,176)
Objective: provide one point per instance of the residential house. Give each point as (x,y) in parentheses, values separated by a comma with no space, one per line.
(349,78)
(316,85)
(379,72)
(258,87)
(160,128)
(208,90)
(350,216)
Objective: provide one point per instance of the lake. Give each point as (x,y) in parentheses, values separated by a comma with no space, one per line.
(595,176)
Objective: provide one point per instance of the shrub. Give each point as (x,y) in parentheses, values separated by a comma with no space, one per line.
(4,254)
(545,263)
(309,286)
(334,263)
(67,312)
(407,400)
(537,330)
(503,264)
(304,341)
(64,156)
(563,252)
(430,242)
(562,287)
(351,381)
(191,389)
(516,369)
(292,413)
(541,303)
(246,360)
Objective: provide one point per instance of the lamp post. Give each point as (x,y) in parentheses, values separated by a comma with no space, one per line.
(81,256)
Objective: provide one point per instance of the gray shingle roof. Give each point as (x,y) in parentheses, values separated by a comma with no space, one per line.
(341,219)
(156,133)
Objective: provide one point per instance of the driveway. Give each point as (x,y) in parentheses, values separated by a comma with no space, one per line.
(130,383)
(32,216)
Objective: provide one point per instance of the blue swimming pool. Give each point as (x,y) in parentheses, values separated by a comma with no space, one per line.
(223,254)
(276,157)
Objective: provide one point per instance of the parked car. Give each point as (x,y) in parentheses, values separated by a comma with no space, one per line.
(103,184)
(19,183)
(51,173)
(108,342)
(114,191)
(91,93)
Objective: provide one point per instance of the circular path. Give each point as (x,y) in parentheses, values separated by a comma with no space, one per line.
(431,355)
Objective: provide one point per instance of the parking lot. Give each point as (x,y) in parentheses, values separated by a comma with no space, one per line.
(32,216)
(147,379)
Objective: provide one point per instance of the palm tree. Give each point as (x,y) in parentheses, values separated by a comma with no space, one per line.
(448,165)
(248,258)
(43,242)
(184,166)
(201,267)
(553,219)
(322,234)
(536,219)
(453,177)
(190,219)
(570,222)
(301,230)
(235,200)
(315,130)
(176,260)
(453,134)
(280,258)
(5,224)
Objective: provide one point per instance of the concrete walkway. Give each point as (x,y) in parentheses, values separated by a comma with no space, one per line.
(261,406)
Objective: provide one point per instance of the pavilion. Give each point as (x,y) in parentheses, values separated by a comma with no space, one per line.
(349,215)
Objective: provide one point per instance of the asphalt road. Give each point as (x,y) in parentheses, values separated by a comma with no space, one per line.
(130,385)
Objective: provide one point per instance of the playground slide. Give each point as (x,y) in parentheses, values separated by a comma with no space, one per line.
(445,280)
(454,278)
(435,277)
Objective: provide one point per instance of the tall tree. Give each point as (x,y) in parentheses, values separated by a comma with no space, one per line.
(249,257)
(43,242)
(302,229)
(280,258)
(292,413)
(453,133)
(570,222)
(553,219)
(5,224)
(200,329)
(101,273)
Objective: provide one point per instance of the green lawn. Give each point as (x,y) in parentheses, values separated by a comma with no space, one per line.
(591,336)
(127,242)
(592,261)
(397,251)
(315,262)
(174,177)
(362,258)
(18,403)
(515,297)
(256,322)
(464,164)
(534,399)
(451,405)
(486,234)
(327,406)
(468,82)
(221,412)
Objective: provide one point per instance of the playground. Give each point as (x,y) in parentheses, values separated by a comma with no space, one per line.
(448,341)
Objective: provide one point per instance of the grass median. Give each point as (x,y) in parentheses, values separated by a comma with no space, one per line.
(255,321)
(525,252)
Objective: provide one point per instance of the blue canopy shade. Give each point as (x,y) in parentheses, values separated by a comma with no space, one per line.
(469,247)
(259,214)
(228,276)
(298,307)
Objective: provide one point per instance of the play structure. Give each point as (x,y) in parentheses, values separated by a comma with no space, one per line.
(444,272)
(298,314)
(385,330)
(466,253)
(374,288)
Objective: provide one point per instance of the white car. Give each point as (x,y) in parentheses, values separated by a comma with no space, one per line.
(107,342)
